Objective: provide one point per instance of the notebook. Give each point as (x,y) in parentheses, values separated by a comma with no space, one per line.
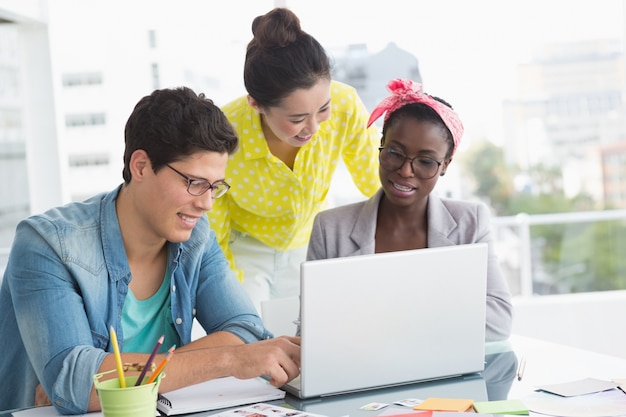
(393,318)
(216,394)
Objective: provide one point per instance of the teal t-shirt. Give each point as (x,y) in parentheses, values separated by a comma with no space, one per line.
(145,321)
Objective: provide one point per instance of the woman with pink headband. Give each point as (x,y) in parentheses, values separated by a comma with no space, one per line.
(420,135)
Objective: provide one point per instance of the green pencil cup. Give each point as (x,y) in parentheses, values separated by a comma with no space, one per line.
(132,401)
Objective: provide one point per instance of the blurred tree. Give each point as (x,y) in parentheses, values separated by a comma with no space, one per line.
(492,179)
(576,256)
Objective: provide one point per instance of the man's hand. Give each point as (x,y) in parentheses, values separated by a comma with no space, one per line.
(41,398)
(277,358)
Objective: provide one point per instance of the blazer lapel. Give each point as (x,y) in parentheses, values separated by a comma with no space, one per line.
(441,224)
(364,229)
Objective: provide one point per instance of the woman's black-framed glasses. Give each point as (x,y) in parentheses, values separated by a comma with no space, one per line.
(198,187)
(423,167)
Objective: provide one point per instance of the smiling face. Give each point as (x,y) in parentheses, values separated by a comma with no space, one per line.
(413,138)
(299,115)
(163,207)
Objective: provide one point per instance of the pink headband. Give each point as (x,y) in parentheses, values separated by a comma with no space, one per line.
(404,92)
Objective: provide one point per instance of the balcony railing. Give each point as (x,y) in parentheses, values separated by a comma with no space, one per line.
(562,252)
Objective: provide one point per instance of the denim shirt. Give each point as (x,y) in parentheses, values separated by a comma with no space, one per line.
(65,284)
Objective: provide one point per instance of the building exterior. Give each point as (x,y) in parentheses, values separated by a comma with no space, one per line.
(30,165)
(571,105)
(369,73)
(100,75)
(613,162)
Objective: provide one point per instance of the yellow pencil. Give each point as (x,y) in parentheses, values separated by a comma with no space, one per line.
(118,358)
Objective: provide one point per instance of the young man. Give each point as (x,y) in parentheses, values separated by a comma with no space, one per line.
(142,259)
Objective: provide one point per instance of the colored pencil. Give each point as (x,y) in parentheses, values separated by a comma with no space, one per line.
(161,366)
(520,369)
(150,359)
(118,358)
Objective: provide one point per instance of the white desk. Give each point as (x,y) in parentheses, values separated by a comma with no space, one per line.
(546,363)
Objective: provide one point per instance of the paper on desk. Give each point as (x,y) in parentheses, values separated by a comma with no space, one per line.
(512,406)
(404,412)
(621,382)
(609,403)
(265,410)
(580,387)
(464,413)
(445,404)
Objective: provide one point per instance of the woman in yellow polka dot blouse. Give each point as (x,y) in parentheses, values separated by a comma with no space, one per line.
(293,126)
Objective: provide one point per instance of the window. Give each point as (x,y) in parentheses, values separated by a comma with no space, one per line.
(155,76)
(82,78)
(86,119)
(152,42)
(88,160)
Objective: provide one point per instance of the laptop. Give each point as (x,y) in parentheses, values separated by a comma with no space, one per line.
(390,319)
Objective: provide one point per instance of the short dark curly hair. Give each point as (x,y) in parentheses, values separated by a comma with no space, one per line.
(171,124)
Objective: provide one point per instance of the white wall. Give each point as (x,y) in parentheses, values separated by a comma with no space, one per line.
(592,321)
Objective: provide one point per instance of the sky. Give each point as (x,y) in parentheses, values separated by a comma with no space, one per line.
(467,51)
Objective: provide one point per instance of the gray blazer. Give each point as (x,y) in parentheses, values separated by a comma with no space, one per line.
(349,231)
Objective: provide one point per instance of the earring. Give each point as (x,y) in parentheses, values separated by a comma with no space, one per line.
(442,174)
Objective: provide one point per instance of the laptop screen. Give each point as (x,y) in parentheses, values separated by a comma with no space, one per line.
(392,318)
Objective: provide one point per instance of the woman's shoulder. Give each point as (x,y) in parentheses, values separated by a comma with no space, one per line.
(348,111)
(457,202)
(464,207)
(236,108)
(340,87)
(341,213)
(343,94)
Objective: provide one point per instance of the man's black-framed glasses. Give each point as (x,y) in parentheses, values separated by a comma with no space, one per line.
(198,187)
(423,167)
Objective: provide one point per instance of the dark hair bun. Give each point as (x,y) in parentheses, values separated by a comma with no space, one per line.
(276,29)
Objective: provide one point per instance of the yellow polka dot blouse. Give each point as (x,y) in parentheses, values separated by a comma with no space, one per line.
(276,205)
